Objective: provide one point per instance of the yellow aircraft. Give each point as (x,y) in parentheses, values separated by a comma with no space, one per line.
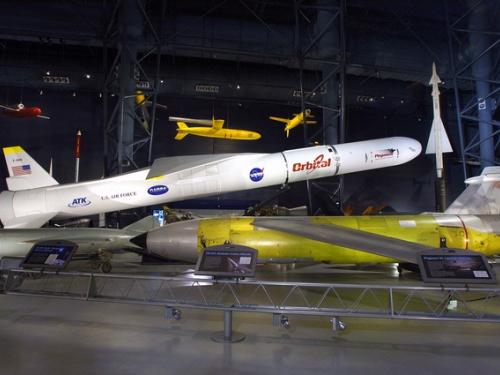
(213,130)
(295,121)
(470,223)
(141,103)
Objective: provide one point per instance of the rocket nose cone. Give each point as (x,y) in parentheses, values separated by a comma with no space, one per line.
(410,149)
(175,241)
(37,111)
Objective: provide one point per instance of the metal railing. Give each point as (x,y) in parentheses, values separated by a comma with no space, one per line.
(334,300)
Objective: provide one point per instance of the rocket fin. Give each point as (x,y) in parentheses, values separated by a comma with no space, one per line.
(437,125)
(25,173)
(181,126)
(180,136)
(31,221)
(482,195)
(217,124)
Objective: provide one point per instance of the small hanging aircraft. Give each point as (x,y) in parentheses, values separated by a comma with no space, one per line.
(300,118)
(213,130)
(20,111)
(142,103)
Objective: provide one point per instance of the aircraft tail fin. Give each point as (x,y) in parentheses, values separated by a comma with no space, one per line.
(482,195)
(143,225)
(279,119)
(180,134)
(24,172)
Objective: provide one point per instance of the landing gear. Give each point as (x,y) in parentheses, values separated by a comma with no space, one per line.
(103,261)
(106,267)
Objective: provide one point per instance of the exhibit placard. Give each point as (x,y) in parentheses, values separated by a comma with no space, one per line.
(50,254)
(455,266)
(227,261)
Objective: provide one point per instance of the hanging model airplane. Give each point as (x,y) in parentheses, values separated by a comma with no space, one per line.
(470,223)
(142,103)
(20,111)
(97,244)
(34,197)
(295,121)
(214,130)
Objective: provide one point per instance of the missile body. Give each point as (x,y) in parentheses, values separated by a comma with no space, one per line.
(438,140)
(185,240)
(178,178)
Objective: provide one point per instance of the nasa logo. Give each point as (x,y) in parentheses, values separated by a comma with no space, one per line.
(79,202)
(256,174)
(157,190)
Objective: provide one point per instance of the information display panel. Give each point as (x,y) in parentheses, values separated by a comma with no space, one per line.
(227,261)
(455,266)
(50,255)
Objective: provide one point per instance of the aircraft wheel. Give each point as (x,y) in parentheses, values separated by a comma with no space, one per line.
(95,265)
(106,267)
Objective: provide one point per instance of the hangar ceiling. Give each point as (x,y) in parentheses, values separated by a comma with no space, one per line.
(253,51)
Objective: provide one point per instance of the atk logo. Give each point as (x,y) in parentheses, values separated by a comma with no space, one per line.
(157,190)
(257,174)
(79,202)
(318,162)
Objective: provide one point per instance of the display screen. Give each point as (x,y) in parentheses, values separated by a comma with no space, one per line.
(50,254)
(227,261)
(455,268)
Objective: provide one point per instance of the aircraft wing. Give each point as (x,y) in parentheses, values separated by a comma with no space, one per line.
(7,108)
(44,117)
(163,166)
(346,237)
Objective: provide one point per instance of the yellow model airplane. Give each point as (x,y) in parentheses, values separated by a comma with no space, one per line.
(470,223)
(295,121)
(213,130)
(142,103)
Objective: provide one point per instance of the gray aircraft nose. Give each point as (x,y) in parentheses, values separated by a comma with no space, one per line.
(175,241)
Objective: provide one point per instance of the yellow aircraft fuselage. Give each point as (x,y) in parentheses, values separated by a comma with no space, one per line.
(480,233)
(209,132)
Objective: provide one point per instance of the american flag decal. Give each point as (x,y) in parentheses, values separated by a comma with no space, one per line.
(21,170)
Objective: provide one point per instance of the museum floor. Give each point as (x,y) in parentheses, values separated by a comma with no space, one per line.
(52,336)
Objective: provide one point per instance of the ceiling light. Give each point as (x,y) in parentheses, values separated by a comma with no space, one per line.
(47,72)
(87,76)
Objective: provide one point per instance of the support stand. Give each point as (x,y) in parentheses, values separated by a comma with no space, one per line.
(228,336)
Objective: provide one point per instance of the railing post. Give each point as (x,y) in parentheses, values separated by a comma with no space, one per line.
(228,336)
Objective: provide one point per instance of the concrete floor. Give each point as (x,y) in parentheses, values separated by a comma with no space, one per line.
(50,336)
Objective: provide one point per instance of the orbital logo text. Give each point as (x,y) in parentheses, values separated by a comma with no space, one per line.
(256,174)
(157,190)
(79,202)
(318,162)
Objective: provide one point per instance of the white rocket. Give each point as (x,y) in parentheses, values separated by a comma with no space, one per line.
(438,140)
(34,197)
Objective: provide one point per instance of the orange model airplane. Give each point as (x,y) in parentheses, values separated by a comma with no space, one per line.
(295,121)
(20,111)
